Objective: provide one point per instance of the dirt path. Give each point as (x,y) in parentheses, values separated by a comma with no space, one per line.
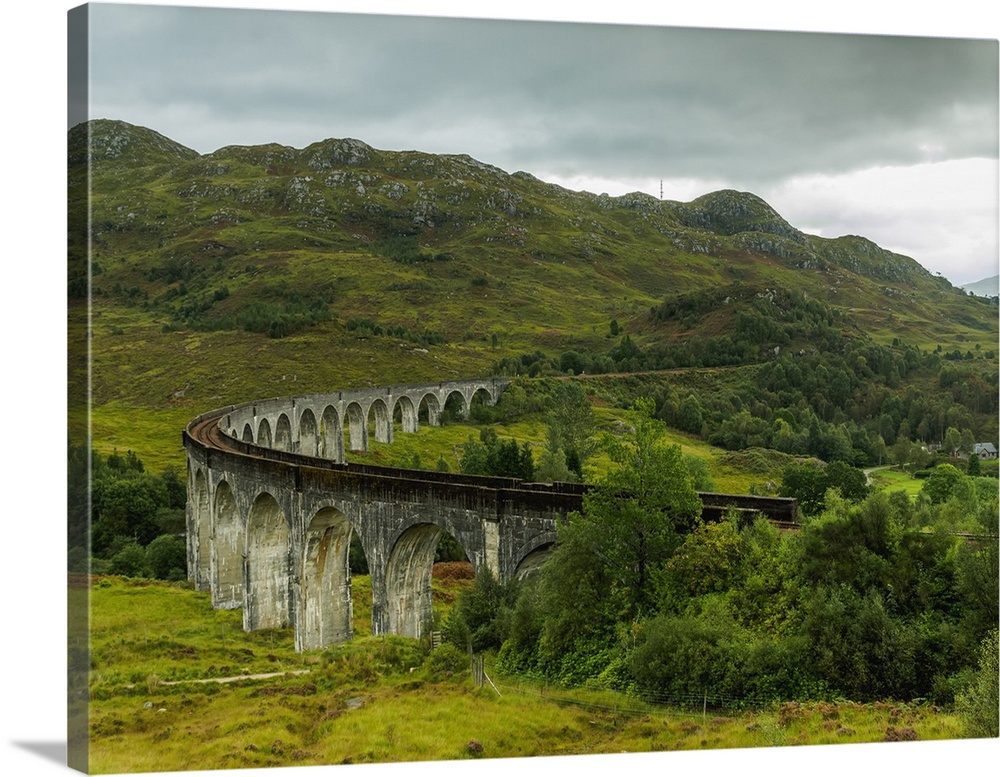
(264,676)
(868,472)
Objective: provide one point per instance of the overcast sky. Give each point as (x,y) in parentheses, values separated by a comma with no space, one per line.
(890,137)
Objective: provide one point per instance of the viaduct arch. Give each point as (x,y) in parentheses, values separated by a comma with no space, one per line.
(272,508)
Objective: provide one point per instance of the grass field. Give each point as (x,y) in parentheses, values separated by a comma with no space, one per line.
(891,480)
(173,688)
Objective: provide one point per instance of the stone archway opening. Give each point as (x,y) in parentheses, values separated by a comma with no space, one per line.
(332,436)
(264,433)
(404,416)
(479,406)
(533,562)
(423,555)
(283,433)
(455,408)
(429,411)
(361,586)
(379,422)
(227,589)
(247,433)
(325,596)
(357,429)
(308,434)
(267,568)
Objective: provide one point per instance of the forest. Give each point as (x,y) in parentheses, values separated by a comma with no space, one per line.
(875,597)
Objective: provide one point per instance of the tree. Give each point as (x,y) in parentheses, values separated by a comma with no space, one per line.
(941,483)
(809,484)
(482,614)
(166,557)
(879,449)
(850,481)
(701,478)
(552,465)
(641,507)
(952,440)
(974,470)
(977,704)
(126,504)
(572,362)
(902,449)
(708,559)
(575,604)
(806,483)
(968,442)
(571,424)
(176,487)
(978,569)
(604,565)
(683,657)
(498,458)
(690,415)
(130,561)
(857,647)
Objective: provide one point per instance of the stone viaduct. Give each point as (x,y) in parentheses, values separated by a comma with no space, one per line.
(272,508)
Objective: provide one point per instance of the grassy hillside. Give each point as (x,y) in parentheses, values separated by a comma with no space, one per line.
(263,271)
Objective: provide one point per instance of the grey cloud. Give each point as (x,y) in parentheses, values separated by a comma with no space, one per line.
(614,100)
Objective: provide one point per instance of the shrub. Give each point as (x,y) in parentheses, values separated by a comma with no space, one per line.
(130,561)
(166,557)
(446,661)
(978,703)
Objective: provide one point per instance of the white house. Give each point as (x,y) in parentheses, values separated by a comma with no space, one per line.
(985,450)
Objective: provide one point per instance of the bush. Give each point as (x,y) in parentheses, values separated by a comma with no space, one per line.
(166,557)
(687,656)
(446,661)
(978,703)
(481,617)
(130,561)
(398,654)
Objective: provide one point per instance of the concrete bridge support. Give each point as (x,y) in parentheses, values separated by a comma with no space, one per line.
(325,594)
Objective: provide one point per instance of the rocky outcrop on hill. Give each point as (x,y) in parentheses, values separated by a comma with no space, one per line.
(384,193)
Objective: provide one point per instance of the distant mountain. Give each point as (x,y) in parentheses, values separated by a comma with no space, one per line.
(403,265)
(987,287)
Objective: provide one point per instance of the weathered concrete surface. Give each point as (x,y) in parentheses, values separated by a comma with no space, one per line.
(270,522)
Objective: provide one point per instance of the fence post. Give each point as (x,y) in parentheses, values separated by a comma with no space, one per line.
(478,670)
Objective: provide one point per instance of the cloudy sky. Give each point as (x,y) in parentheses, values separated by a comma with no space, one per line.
(890,137)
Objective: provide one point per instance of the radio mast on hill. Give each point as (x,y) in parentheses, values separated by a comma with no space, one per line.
(661,188)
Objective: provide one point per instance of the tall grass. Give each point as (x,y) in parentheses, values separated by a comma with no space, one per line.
(383,699)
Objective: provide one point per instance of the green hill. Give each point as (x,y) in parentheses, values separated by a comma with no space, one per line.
(268,270)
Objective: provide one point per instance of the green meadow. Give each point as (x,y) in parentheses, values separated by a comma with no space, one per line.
(176,685)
